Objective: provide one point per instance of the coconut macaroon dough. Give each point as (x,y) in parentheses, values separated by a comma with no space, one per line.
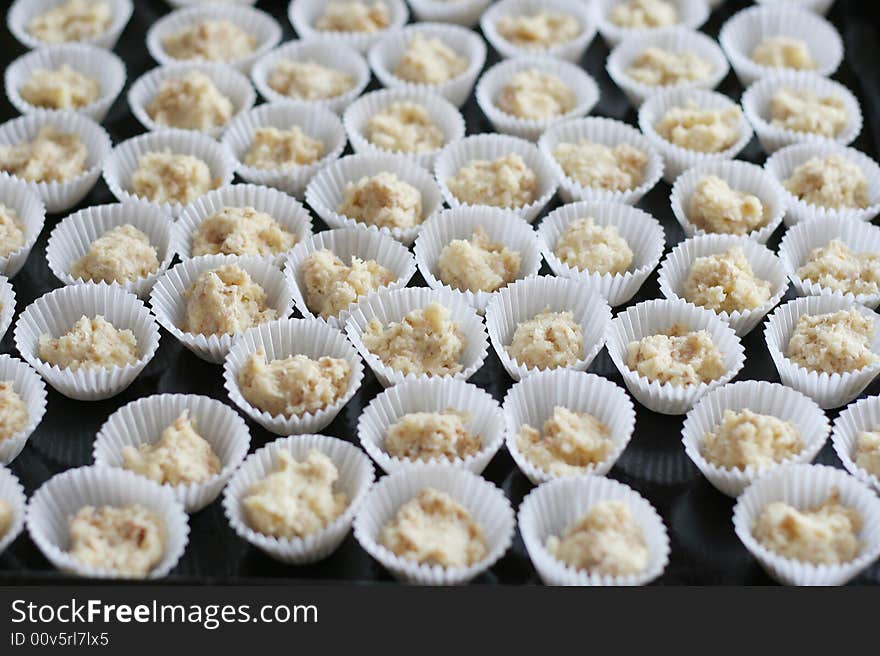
(191,102)
(783,52)
(587,246)
(536,95)
(330,286)
(569,443)
(831,181)
(225,301)
(644,14)
(354,16)
(406,127)
(606,540)
(434,529)
(827,534)
(308,80)
(90,344)
(122,254)
(703,130)
(746,439)
(241,231)
(805,111)
(73,20)
(13,412)
(272,148)
(598,166)
(725,282)
(11,231)
(660,67)
(548,340)
(503,182)
(837,267)
(180,457)
(293,386)
(60,88)
(128,540)
(214,40)
(427,342)
(867,455)
(52,156)
(540,30)
(477,264)
(5,517)
(836,342)
(166,177)
(296,499)
(382,200)
(716,207)
(432,436)
(429,61)
(676,357)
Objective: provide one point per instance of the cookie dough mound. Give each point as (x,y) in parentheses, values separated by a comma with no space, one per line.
(191,102)
(213,40)
(52,156)
(677,357)
(122,254)
(331,286)
(569,443)
(539,30)
(382,200)
(477,264)
(716,207)
(587,246)
(61,88)
(835,266)
(805,111)
(548,340)
(535,95)
(405,127)
(73,20)
(428,60)
(832,181)
(241,231)
(225,301)
(90,344)
(659,67)
(782,51)
(725,282)
(432,436)
(273,149)
(13,412)
(836,342)
(602,167)
(354,16)
(166,177)
(747,439)
(308,80)
(11,231)
(503,182)
(703,130)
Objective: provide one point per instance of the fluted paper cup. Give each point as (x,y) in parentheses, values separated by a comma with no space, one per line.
(488,506)
(12,492)
(22,12)
(807,486)
(32,214)
(460,12)
(30,387)
(7,305)
(282,339)
(690,13)
(642,232)
(523,299)
(863,415)
(828,390)
(169,304)
(189,3)
(54,504)
(142,422)
(71,238)
(303,14)
(820,7)
(652,317)
(55,312)
(103,66)
(355,479)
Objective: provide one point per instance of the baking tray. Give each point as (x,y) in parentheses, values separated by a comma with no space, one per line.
(704,547)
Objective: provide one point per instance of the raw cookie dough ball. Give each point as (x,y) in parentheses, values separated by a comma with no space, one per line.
(548,340)
(52,156)
(166,177)
(331,286)
(272,149)
(539,30)
(703,130)
(90,344)
(746,439)
(536,95)
(73,20)
(429,61)
(13,413)
(586,246)
(477,264)
(225,301)
(602,167)
(191,102)
(831,181)
(716,207)
(213,40)
(783,52)
(677,357)
(644,14)
(569,443)
(867,454)
(405,127)
(725,282)
(382,200)
(503,182)
(429,436)
(835,266)
(660,67)
(5,517)
(308,80)
(354,16)
(11,231)
(122,254)
(805,111)
(836,342)
(241,231)
(61,88)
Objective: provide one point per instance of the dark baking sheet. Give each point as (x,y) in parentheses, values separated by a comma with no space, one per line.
(704,547)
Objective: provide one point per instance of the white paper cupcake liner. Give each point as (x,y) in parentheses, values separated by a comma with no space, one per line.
(346,243)
(325,192)
(756,106)
(103,66)
(12,492)
(863,415)
(523,299)
(642,232)
(552,508)
(766,266)
(532,401)
(355,478)
(488,506)
(7,305)
(22,12)
(800,240)
(432,395)
(385,55)
(691,13)
(760,397)
(674,39)
(259,24)
(389,305)
(230,82)
(442,113)
(286,210)
(495,78)
(60,196)
(121,164)
(652,317)
(169,304)
(740,176)
(325,53)
(783,162)
(828,390)
(32,214)
(55,312)
(607,132)
(303,14)
(820,7)
(282,339)
(315,121)
(747,28)
(71,238)
(62,496)
(807,486)
(460,12)
(30,387)
(491,147)
(189,3)
(571,50)
(676,158)
(502,226)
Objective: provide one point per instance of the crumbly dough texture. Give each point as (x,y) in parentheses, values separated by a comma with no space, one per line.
(547,341)
(536,95)
(225,301)
(598,166)
(90,344)
(588,246)
(725,282)
(747,439)
(73,20)
(295,385)
(122,254)
(60,88)
(330,285)
(716,207)
(272,149)
(644,14)
(13,412)
(5,517)
(354,16)
(831,181)
(405,127)
(241,231)
(11,231)
(678,357)
(606,540)
(434,529)
(782,51)
(308,80)
(805,111)
(166,177)
(428,60)
(867,455)
(429,436)
(296,499)
(478,263)
(569,443)
(540,30)
(190,102)
(382,200)
(836,266)
(503,182)
(657,67)
(52,156)
(702,130)
(213,40)
(836,342)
